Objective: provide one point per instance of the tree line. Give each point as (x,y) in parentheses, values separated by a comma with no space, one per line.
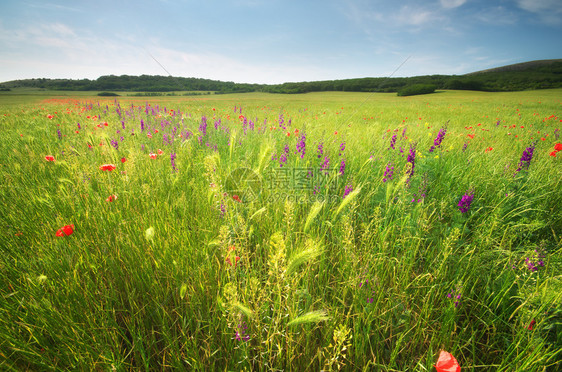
(533,77)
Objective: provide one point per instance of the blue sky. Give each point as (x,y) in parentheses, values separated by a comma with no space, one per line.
(272,41)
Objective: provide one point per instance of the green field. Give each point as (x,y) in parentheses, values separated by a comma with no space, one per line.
(281,232)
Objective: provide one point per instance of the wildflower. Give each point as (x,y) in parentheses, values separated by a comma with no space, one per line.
(558,147)
(342,147)
(153,155)
(50,158)
(301,145)
(553,153)
(393,141)
(111,198)
(348,189)
(173,161)
(320,149)
(411,159)
(325,164)
(447,363)
(241,334)
(526,158)
(160,152)
(203,126)
(388,173)
(531,325)
(65,230)
(437,141)
(59,134)
(123,160)
(489,149)
(50,116)
(466,200)
(237,198)
(342,167)
(107,167)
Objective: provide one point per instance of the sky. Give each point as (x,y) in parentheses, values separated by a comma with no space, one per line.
(272,41)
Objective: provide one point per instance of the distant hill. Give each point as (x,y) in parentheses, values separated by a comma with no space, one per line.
(541,74)
(524,66)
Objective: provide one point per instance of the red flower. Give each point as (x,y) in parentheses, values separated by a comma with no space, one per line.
(447,363)
(50,158)
(152,155)
(489,149)
(553,153)
(65,230)
(471,136)
(111,198)
(50,116)
(107,167)
(558,147)
(237,198)
(235,263)
(160,152)
(123,160)
(531,325)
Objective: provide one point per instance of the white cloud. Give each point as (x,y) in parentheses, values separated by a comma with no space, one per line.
(549,11)
(452,3)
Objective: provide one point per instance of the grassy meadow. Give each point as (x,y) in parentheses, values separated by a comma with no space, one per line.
(322,231)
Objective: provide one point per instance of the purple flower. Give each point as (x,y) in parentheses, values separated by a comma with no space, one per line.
(59,134)
(526,158)
(142,125)
(320,150)
(342,148)
(115,144)
(388,173)
(342,167)
(326,164)
(437,141)
(173,161)
(393,141)
(411,159)
(348,189)
(466,200)
(283,156)
(203,126)
(301,145)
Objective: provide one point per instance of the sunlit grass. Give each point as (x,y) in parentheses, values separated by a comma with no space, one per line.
(382,279)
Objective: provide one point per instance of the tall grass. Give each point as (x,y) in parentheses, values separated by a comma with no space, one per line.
(381,279)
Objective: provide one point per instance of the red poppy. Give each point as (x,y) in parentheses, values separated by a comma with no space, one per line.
(107,167)
(531,325)
(471,136)
(235,263)
(558,147)
(65,230)
(50,116)
(553,153)
(160,152)
(489,149)
(50,158)
(152,155)
(237,198)
(111,198)
(447,363)
(123,160)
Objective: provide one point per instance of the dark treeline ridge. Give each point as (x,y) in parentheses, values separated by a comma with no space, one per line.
(533,76)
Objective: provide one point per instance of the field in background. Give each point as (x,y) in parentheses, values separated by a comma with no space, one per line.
(281,232)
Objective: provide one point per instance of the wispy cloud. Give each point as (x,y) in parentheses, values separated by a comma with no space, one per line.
(549,11)
(498,15)
(452,3)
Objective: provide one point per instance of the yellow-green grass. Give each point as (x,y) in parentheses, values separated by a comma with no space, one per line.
(368,281)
